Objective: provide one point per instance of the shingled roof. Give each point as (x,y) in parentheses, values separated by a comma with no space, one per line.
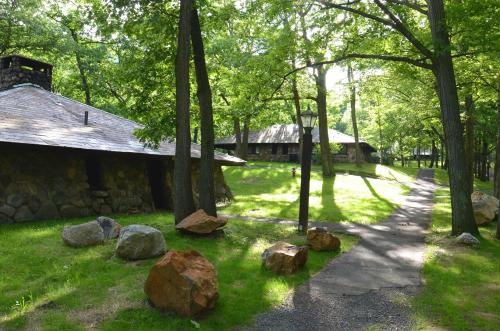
(288,134)
(32,115)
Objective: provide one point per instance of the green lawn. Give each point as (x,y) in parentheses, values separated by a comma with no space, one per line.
(269,190)
(90,288)
(462,289)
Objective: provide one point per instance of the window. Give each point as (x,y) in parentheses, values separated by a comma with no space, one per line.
(342,150)
(274,149)
(284,149)
(94,173)
(254,149)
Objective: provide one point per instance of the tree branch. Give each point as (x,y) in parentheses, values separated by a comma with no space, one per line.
(329,5)
(399,26)
(413,5)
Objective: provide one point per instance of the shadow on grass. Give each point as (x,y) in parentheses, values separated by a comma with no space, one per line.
(96,281)
(376,195)
(328,198)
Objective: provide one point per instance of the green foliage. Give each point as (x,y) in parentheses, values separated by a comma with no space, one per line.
(89,287)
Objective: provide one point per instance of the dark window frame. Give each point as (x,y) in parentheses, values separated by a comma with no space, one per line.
(274,149)
(93,170)
(284,149)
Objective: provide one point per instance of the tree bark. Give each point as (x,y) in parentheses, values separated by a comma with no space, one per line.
(418,155)
(326,154)
(237,134)
(433,154)
(350,78)
(497,158)
(296,102)
(184,202)
(195,135)
(244,139)
(461,205)
(469,135)
(81,69)
(484,162)
(206,180)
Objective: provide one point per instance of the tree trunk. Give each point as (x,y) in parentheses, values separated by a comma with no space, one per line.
(296,102)
(461,205)
(326,154)
(206,180)
(244,140)
(237,134)
(350,77)
(433,154)
(469,138)
(418,155)
(81,69)
(195,135)
(184,203)
(497,158)
(484,162)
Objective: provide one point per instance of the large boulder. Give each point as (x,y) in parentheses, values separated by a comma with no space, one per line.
(485,207)
(184,282)
(467,239)
(83,235)
(284,258)
(319,239)
(110,227)
(200,222)
(137,242)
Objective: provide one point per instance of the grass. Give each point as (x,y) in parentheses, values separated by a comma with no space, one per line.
(46,285)
(462,289)
(267,189)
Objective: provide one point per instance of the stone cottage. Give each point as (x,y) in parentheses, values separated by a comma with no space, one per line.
(281,143)
(60,158)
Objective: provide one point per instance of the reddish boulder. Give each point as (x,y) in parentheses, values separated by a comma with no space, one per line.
(201,223)
(284,258)
(319,239)
(184,282)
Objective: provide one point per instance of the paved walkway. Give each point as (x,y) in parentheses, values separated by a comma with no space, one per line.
(370,285)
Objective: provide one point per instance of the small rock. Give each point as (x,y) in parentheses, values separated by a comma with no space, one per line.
(83,235)
(184,282)
(137,242)
(201,223)
(319,239)
(485,207)
(467,239)
(110,227)
(284,258)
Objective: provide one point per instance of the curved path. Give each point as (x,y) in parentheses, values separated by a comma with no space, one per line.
(370,285)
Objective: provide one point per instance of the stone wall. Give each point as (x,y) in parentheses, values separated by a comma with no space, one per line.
(19,70)
(265,153)
(52,183)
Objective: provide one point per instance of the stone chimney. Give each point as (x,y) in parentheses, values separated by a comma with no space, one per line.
(16,69)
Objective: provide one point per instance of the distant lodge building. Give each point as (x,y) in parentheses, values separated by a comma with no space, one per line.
(60,158)
(281,143)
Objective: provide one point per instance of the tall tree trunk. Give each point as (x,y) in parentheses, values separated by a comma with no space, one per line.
(81,69)
(237,134)
(326,154)
(497,158)
(433,154)
(350,77)
(206,180)
(461,205)
(244,139)
(418,155)
(195,135)
(469,138)
(484,162)
(184,202)
(296,102)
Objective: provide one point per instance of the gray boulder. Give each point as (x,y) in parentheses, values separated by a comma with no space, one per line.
(139,242)
(467,239)
(83,235)
(110,227)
